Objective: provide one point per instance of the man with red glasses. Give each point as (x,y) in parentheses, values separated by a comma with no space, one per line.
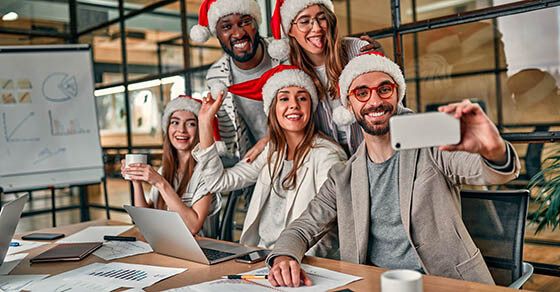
(398,209)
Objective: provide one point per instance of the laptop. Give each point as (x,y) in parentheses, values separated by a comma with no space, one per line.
(9,218)
(167,234)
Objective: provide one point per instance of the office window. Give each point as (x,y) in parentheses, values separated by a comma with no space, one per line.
(144,34)
(510,61)
(111,117)
(107,55)
(426,9)
(367,15)
(37,15)
(23,40)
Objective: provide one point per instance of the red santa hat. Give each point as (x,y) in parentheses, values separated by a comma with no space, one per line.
(266,87)
(362,64)
(187,103)
(212,10)
(284,14)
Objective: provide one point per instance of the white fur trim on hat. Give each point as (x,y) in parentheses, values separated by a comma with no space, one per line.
(369,63)
(291,8)
(279,49)
(222,8)
(178,104)
(343,117)
(216,87)
(287,78)
(199,34)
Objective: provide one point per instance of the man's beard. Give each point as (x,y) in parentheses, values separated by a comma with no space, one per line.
(370,128)
(245,57)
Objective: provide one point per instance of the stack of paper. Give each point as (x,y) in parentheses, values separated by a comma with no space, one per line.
(105,277)
(322,280)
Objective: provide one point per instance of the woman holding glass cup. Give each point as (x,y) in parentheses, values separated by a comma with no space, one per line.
(177,185)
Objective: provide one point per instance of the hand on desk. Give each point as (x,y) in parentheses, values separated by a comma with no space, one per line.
(287,272)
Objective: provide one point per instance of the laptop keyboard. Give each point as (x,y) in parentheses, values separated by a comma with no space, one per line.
(213,254)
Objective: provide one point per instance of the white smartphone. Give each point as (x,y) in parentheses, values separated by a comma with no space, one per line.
(424,130)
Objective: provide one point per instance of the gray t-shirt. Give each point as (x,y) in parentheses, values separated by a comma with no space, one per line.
(388,245)
(252,111)
(273,215)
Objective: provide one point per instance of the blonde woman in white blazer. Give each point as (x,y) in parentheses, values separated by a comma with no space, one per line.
(291,169)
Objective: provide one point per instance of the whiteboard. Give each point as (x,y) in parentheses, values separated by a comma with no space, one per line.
(48,119)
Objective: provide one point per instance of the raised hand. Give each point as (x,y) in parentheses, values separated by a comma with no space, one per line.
(205,116)
(210,107)
(478,133)
(372,46)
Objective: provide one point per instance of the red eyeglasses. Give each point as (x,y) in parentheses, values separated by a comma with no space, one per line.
(384,91)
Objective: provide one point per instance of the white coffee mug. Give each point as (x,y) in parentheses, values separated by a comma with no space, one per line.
(134,158)
(401,281)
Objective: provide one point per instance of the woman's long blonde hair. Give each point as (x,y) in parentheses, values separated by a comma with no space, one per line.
(336,57)
(170,164)
(278,145)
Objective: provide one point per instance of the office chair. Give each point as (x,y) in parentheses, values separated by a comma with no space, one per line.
(496,222)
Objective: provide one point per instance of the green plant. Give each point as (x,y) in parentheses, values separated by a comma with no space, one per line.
(547,185)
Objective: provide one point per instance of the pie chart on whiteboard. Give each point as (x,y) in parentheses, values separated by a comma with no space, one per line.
(59,87)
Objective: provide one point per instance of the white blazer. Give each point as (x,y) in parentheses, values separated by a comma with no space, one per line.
(310,177)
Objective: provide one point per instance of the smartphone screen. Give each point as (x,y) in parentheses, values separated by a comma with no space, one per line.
(253,256)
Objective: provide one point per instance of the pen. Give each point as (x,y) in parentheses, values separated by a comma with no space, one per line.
(14,243)
(119,238)
(246,277)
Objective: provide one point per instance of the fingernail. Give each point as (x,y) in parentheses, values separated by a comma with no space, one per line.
(248,159)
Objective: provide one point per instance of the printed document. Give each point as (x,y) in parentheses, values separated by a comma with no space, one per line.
(119,249)
(322,280)
(17,283)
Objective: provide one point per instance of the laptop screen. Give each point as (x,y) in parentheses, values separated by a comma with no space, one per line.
(9,218)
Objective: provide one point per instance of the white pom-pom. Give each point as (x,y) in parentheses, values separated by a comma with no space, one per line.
(216,87)
(222,148)
(342,116)
(279,49)
(200,34)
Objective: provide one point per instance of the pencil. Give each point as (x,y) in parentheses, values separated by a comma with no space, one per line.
(246,277)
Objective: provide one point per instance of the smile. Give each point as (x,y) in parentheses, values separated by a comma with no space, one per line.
(294,117)
(241,44)
(375,114)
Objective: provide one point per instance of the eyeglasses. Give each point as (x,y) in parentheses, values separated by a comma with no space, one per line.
(384,91)
(305,23)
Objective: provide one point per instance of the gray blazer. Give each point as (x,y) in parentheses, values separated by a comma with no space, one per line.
(430,207)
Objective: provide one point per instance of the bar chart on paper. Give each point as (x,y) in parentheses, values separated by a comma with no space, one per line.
(127,275)
(123,274)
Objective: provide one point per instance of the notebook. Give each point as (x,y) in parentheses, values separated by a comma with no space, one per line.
(67,252)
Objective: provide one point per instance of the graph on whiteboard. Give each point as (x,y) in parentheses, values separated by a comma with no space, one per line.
(13,129)
(65,128)
(60,87)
